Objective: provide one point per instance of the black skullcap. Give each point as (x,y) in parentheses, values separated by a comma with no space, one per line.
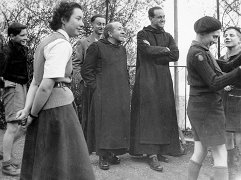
(207,24)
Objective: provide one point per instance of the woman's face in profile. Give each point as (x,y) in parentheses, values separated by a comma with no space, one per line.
(75,23)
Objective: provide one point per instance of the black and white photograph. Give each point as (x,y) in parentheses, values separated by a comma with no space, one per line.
(120,89)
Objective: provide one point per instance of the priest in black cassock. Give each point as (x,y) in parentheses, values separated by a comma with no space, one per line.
(105,72)
(154,128)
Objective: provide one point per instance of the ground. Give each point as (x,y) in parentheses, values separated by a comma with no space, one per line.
(132,168)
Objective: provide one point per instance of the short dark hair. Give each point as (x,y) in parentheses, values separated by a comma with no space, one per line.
(151,11)
(96,16)
(108,28)
(15,28)
(63,10)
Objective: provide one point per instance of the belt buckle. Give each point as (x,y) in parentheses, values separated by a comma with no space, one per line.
(58,84)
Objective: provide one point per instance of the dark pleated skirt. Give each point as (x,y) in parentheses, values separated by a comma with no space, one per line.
(206,115)
(55,148)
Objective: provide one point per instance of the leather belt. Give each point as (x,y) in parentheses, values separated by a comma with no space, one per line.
(60,84)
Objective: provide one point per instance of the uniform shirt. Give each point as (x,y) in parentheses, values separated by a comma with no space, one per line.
(204,75)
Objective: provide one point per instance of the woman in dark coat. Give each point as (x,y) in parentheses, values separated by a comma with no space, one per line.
(105,72)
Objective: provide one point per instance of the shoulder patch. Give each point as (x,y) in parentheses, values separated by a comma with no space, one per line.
(200,56)
(146,42)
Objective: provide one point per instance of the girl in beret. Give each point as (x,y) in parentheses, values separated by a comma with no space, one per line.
(205,108)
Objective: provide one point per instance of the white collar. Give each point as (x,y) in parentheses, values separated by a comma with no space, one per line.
(64,33)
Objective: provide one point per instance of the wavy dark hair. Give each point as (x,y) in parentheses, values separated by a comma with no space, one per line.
(63,10)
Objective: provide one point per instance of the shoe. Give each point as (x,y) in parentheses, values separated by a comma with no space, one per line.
(103,163)
(113,159)
(155,164)
(162,158)
(9,169)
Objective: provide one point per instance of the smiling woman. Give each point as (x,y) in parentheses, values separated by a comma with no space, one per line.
(55,147)
(70,21)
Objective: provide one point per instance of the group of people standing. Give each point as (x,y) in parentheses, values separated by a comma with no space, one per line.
(110,126)
(103,117)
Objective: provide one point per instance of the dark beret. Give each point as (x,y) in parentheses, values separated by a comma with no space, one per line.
(207,24)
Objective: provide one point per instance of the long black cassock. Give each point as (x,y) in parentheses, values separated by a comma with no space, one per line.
(105,72)
(154,128)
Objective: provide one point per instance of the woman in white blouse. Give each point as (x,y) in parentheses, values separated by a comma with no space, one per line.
(55,147)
